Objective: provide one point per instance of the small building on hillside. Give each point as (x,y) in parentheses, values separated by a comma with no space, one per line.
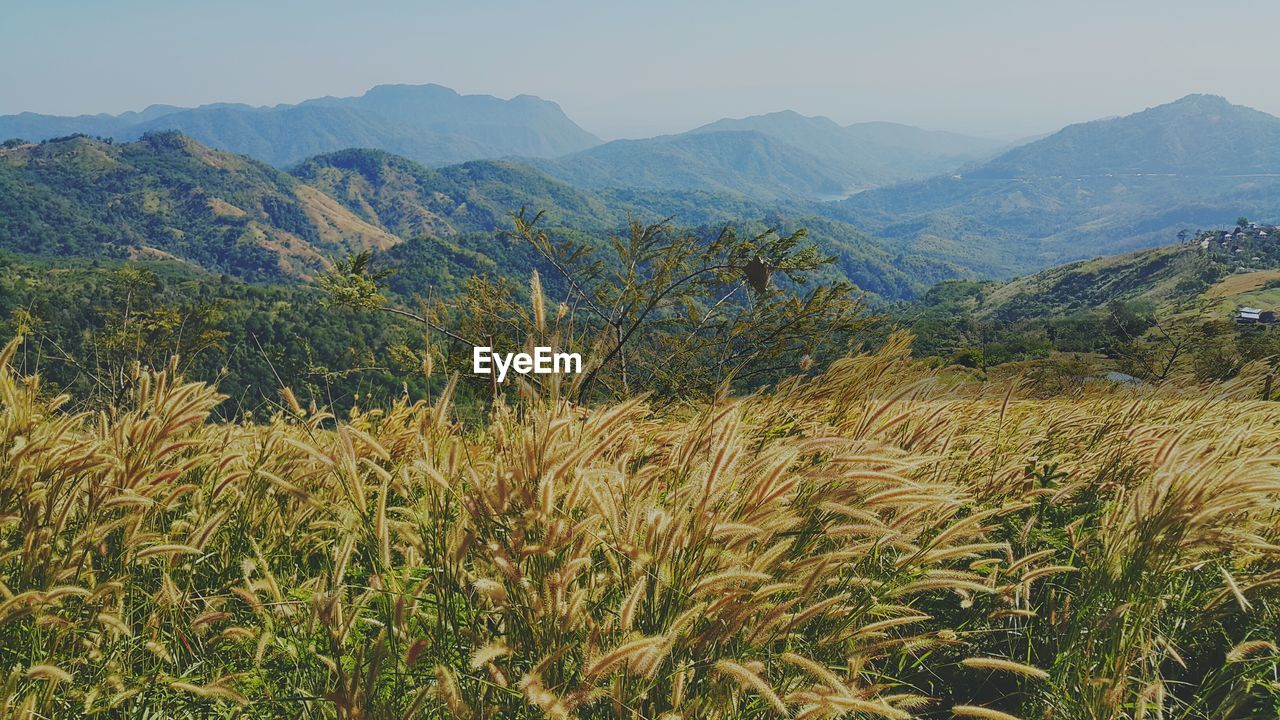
(1256,316)
(1249,316)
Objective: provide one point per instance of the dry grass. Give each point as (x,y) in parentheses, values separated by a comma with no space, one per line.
(869,543)
(1240,283)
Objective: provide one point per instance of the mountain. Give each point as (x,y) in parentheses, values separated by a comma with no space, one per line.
(428,123)
(35,126)
(779,155)
(1216,266)
(455,211)
(873,153)
(1199,135)
(169,196)
(409,199)
(1104,187)
(1145,313)
(744,162)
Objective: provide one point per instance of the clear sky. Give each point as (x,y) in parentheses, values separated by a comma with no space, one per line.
(627,69)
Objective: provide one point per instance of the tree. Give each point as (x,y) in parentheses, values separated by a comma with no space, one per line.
(655,309)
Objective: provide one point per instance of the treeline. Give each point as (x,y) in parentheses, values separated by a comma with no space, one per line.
(680,315)
(1136,337)
(87,323)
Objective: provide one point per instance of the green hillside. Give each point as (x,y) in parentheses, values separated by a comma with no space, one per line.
(87,321)
(410,199)
(168,196)
(454,212)
(120,252)
(1212,265)
(1150,312)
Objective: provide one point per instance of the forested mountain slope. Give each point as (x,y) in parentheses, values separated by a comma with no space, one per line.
(169,196)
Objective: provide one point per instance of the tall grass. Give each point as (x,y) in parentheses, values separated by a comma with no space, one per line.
(872,542)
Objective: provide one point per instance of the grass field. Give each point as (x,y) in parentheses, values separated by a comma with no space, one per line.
(1243,283)
(874,542)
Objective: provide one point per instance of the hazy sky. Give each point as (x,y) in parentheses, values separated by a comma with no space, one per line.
(626,69)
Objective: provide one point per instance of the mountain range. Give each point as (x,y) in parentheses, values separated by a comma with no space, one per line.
(168,196)
(428,123)
(882,152)
(1096,188)
(783,154)
(274,191)
(780,155)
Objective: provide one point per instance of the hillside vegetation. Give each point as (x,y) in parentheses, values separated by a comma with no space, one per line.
(872,541)
(1207,265)
(1150,313)
(86,323)
(438,210)
(168,196)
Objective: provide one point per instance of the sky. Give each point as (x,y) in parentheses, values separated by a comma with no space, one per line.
(998,68)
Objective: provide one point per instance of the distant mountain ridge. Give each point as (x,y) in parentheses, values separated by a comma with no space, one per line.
(1196,135)
(874,153)
(744,162)
(778,155)
(1103,187)
(428,123)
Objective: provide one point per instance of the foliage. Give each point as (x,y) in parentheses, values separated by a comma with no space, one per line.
(1154,313)
(873,542)
(663,311)
(164,196)
(87,324)
(449,216)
